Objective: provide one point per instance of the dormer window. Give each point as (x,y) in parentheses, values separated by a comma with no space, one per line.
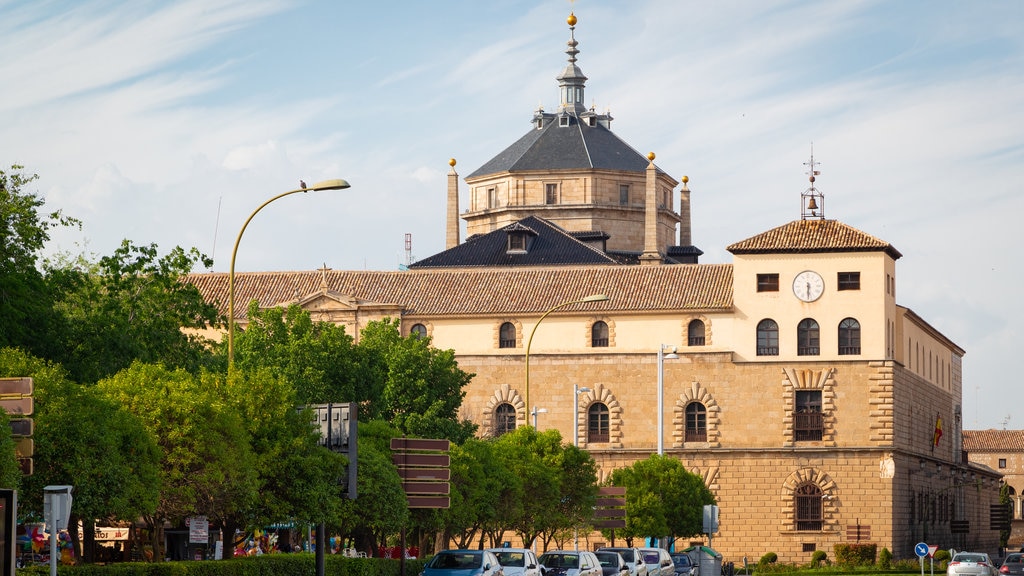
(517,242)
(563,121)
(518,238)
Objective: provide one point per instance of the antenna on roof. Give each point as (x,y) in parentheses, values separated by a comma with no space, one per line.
(812,202)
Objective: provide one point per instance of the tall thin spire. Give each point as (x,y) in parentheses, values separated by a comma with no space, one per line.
(812,202)
(571,81)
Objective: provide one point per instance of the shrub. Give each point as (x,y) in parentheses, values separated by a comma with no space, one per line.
(855,554)
(769,558)
(818,558)
(885,559)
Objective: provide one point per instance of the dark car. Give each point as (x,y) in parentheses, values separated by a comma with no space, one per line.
(612,563)
(685,566)
(1013,564)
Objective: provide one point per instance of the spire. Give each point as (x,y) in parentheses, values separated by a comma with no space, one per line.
(812,202)
(571,81)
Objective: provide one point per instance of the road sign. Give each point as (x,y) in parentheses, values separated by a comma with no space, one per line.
(610,523)
(921,549)
(406,459)
(439,474)
(932,549)
(24,447)
(426,444)
(434,488)
(15,386)
(609,513)
(22,405)
(22,427)
(428,501)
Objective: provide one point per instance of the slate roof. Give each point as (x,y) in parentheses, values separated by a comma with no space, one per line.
(549,245)
(813,236)
(574,147)
(491,291)
(994,440)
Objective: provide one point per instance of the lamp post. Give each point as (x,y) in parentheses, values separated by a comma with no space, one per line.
(661,392)
(529,341)
(576,413)
(334,184)
(535,412)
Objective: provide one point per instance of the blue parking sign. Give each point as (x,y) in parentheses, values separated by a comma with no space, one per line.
(921,549)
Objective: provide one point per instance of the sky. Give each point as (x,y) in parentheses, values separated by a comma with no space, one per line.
(170,122)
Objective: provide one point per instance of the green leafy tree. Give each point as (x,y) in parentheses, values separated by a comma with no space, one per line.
(131,306)
(207,465)
(481,487)
(521,451)
(27,318)
(662,498)
(381,508)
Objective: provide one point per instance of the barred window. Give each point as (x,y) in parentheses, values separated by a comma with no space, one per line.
(767,338)
(695,333)
(849,337)
(504,419)
(808,507)
(808,340)
(808,420)
(598,423)
(507,335)
(599,334)
(696,422)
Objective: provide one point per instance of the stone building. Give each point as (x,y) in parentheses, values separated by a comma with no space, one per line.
(817,409)
(1002,451)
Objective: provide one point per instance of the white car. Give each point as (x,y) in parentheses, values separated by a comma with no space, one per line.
(517,561)
(659,562)
(634,559)
(971,564)
(570,563)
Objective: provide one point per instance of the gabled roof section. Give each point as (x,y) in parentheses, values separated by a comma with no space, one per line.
(577,146)
(492,291)
(550,245)
(994,440)
(813,236)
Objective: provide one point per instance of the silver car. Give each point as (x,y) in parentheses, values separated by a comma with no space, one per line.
(517,561)
(971,564)
(633,557)
(570,563)
(659,562)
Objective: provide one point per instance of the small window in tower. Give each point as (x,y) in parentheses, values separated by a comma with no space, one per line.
(551,193)
(848,281)
(1002,462)
(492,198)
(623,194)
(767,282)
(563,121)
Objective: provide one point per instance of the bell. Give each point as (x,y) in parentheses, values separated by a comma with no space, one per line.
(812,205)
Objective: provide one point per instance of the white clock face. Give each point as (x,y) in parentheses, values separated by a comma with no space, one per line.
(808,286)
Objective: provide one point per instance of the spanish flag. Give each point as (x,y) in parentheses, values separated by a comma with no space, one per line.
(938,430)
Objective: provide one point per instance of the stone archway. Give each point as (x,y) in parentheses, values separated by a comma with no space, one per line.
(505,394)
(602,394)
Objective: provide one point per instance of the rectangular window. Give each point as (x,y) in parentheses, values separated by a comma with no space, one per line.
(623,194)
(1002,462)
(808,420)
(767,282)
(492,198)
(551,193)
(517,242)
(848,281)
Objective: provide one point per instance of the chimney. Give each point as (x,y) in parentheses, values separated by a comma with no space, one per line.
(452,226)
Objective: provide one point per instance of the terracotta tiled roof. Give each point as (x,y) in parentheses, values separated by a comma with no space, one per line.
(994,440)
(489,291)
(804,236)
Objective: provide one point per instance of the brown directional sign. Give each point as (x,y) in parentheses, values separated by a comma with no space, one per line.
(425,444)
(428,501)
(610,523)
(22,427)
(612,490)
(441,474)
(426,487)
(23,447)
(418,460)
(16,405)
(26,466)
(15,386)
(609,513)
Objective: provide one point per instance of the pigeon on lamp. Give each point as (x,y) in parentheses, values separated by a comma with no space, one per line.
(302,184)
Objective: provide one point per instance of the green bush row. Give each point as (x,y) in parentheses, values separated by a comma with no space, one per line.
(302,564)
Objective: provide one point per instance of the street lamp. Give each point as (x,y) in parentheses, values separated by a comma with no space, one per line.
(576,413)
(334,184)
(529,341)
(535,412)
(661,392)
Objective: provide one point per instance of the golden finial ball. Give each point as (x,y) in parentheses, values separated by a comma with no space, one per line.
(685,179)
(650,156)
(571,19)
(451,162)
(812,179)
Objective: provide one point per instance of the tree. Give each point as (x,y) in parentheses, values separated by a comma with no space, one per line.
(381,508)
(207,465)
(662,498)
(26,313)
(481,486)
(132,305)
(521,451)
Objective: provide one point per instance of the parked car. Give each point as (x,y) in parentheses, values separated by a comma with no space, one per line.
(517,561)
(612,563)
(463,563)
(685,566)
(570,563)
(633,557)
(1013,564)
(971,564)
(658,561)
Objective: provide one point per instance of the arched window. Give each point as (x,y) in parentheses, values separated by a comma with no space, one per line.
(504,419)
(767,338)
(598,420)
(849,337)
(695,333)
(807,338)
(808,507)
(696,422)
(599,334)
(418,330)
(507,335)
